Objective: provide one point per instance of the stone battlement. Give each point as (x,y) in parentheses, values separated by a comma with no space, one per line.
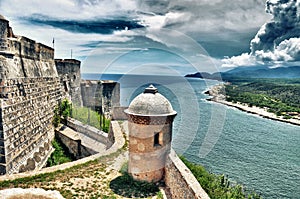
(23,57)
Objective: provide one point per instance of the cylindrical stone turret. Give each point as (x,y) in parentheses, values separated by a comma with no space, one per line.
(150,118)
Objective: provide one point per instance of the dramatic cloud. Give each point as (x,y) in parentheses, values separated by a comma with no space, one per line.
(102,26)
(277,40)
(109,28)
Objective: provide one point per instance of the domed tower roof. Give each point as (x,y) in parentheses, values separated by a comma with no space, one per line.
(2,18)
(150,103)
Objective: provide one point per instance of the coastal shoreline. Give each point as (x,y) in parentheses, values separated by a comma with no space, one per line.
(217,95)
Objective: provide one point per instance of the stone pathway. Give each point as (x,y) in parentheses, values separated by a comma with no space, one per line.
(91,143)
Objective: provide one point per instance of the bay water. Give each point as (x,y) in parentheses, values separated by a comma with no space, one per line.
(261,154)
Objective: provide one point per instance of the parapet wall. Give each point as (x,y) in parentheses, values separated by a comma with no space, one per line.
(180,181)
(118,113)
(87,130)
(26,130)
(72,141)
(26,58)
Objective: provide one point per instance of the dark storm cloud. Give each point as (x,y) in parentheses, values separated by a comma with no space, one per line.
(102,26)
(278,40)
(281,35)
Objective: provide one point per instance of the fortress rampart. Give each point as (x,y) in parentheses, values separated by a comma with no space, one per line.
(26,130)
(30,88)
(31,84)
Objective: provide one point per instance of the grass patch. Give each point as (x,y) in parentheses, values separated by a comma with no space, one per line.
(217,186)
(60,154)
(68,182)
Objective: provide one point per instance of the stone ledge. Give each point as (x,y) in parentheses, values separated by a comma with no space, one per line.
(87,130)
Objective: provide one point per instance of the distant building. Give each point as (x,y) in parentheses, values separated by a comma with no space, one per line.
(101,95)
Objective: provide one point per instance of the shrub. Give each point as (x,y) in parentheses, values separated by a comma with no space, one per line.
(63,110)
(60,154)
(217,186)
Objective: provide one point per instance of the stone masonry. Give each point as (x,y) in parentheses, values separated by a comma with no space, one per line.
(26,131)
(30,88)
(69,71)
(100,95)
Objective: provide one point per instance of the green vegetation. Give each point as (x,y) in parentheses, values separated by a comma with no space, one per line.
(63,110)
(82,114)
(60,154)
(217,186)
(279,96)
(90,117)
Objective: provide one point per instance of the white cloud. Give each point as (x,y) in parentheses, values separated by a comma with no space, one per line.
(182,18)
(277,40)
(244,59)
(287,50)
(67,9)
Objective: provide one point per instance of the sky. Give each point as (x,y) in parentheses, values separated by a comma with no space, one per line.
(162,36)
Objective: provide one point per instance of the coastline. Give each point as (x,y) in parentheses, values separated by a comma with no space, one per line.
(217,95)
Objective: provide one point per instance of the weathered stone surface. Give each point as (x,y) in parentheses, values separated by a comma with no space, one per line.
(87,130)
(23,57)
(69,69)
(101,95)
(150,104)
(118,113)
(180,181)
(27,106)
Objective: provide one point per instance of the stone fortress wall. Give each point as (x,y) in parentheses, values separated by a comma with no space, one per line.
(101,95)
(23,57)
(180,181)
(31,85)
(30,88)
(26,130)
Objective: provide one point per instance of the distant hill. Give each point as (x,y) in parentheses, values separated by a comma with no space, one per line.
(252,72)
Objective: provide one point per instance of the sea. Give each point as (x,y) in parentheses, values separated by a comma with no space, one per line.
(261,154)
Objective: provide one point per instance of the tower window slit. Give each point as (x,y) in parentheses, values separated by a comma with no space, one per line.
(156,139)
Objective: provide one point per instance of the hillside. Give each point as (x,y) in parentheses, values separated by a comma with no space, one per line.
(279,96)
(251,72)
